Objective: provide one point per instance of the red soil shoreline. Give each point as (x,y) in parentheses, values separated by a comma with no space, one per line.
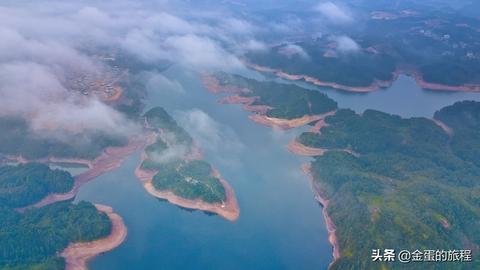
(110,159)
(228,210)
(376,85)
(284,124)
(299,149)
(77,255)
(213,86)
(331,229)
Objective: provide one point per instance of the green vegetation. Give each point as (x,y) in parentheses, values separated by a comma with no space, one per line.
(16,139)
(27,184)
(440,42)
(32,240)
(411,186)
(158,118)
(355,69)
(288,101)
(464,119)
(189,179)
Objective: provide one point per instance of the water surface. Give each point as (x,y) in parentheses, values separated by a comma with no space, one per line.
(280,225)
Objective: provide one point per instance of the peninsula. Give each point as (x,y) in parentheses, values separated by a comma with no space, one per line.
(33,239)
(385,181)
(172,169)
(78,254)
(289,106)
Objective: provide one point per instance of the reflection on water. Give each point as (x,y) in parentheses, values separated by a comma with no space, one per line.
(280,225)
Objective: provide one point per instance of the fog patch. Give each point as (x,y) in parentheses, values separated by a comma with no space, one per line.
(346,44)
(216,138)
(292,50)
(334,13)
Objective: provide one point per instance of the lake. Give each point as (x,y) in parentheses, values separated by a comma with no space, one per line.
(280,226)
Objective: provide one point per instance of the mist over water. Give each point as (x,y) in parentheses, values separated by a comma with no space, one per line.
(280,226)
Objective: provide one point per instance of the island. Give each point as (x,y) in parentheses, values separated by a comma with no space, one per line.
(38,238)
(172,169)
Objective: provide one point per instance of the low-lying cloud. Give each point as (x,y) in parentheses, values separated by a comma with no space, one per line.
(44,45)
(346,44)
(211,135)
(292,50)
(334,13)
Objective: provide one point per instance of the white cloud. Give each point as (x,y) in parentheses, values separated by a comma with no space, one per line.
(211,135)
(292,50)
(51,110)
(334,13)
(43,44)
(254,45)
(172,153)
(158,82)
(346,44)
(200,52)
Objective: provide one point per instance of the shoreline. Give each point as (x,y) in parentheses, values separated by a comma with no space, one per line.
(228,210)
(77,255)
(440,87)
(331,228)
(110,159)
(299,149)
(294,146)
(376,85)
(284,124)
(260,117)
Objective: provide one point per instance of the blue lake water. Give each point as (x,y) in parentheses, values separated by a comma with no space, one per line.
(403,98)
(280,225)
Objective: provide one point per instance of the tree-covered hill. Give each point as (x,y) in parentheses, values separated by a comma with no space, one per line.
(409,185)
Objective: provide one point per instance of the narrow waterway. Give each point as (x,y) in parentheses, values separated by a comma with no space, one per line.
(280,225)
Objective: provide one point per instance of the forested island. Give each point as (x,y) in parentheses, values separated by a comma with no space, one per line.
(172,168)
(34,239)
